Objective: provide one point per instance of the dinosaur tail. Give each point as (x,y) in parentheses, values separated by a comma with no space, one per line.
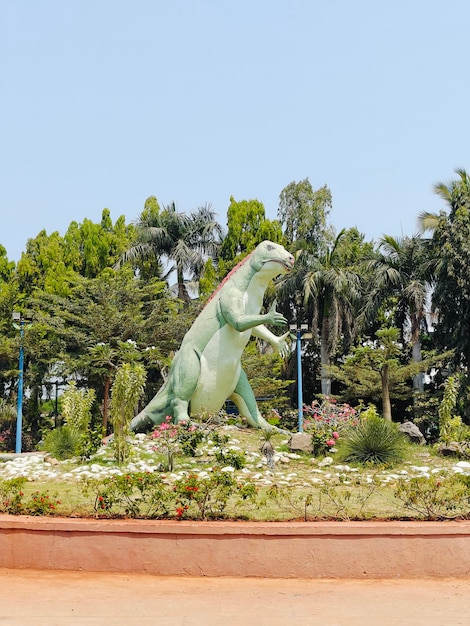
(154,413)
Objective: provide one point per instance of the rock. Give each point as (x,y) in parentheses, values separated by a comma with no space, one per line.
(449,449)
(413,432)
(301,442)
(453,448)
(52,460)
(325,462)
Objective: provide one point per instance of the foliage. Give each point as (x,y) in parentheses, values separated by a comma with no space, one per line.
(325,421)
(11,495)
(436,497)
(380,370)
(451,427)
(172,439)
(373,441)
(76,437)
(8,440)
(127,389)
(247,227)
(41,503)
(141,494)
(14,502)
(451,253)
(76,407)
(295,490)
(63,442)
(185,240)
(343,499)
(264,369)
(54,264)
(303,214)
(425,407)
(267,447)
(329,290)
(231,458)
(205,497)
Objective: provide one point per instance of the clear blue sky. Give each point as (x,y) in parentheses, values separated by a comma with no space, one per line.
(106,102)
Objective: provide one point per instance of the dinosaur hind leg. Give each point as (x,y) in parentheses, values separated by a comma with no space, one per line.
(244,398)
(183,382)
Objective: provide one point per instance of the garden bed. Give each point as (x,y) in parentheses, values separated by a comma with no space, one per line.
(368,550)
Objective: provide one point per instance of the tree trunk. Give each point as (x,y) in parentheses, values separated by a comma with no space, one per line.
(107,383)
(325,358)
(182,291)
(386,406)
(418,379)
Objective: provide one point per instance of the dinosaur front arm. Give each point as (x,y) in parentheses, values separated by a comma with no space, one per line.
(280,343)
(235,317)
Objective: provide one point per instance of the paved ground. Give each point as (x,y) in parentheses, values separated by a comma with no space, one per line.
(44,598)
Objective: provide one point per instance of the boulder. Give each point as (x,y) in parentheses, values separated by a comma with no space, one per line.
(455,448)
(301,442)
(413,432)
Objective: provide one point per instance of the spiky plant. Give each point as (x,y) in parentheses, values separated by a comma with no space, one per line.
(374,440)
(62,443)
(267,448)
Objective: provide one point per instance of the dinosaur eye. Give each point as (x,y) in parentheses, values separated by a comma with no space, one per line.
(270,247)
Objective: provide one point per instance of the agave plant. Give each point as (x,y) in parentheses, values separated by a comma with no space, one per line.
(374,440)
(267,448)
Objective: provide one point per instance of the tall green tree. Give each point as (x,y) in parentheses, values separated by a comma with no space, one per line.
(451,246)
(329,287)
(303,213)
(401,271)
(53,263)
(247,226)
(182,240)
(6,267)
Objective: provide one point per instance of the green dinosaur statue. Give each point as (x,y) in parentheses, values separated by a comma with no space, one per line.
(206,370)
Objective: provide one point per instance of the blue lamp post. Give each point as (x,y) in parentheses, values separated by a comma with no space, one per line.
(300,330)
(18,323)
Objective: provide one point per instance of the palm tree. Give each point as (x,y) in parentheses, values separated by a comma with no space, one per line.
(400,271)
(184,240)
(451,253)
(331,290)
(456,194)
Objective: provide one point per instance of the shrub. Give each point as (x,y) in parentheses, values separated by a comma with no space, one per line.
(12,499)
(172,439)
(127,389)
(11,495)
(451,427)
(436,497)
(325,421)
(233,458)
(62,443)
(375,441)
(141,494)
(205,497)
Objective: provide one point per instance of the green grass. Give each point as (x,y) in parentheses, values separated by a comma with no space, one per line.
(288,492)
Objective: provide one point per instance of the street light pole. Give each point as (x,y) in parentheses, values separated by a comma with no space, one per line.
(19,415)
(300,397)
(300,330)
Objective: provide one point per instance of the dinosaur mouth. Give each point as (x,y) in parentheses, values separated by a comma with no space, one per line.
(289,265)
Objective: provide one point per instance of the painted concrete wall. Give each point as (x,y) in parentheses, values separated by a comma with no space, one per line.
(269,550)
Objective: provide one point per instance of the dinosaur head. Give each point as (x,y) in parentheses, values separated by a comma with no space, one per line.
(272,257)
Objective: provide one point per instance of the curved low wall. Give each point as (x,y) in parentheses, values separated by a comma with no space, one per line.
(243,549)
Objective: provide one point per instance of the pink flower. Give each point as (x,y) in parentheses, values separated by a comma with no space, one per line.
(335,435)
(330,442)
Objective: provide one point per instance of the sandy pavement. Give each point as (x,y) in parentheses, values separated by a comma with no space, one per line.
(58,598)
